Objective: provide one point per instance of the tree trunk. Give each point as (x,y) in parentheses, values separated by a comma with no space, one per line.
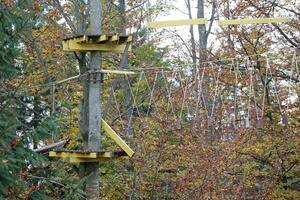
(193,42)
(124,66)
(202,32)
(91,110)
(202,58)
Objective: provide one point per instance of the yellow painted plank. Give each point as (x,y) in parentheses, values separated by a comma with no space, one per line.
(72,155)
(82,160)
(84,47)
(59,154)
(107,155)
(102,38)
(80,39)
(129,39)
(52,154)
(117,72)
(113,135)
(253,21)
(114,38)
(160,24)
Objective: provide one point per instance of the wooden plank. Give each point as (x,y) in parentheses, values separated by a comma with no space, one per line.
(72,155)
(107,155)
(252,21)
(114,38)
(76,157)
(80,39)
(125,39)
(85,47)
(122,72)
(84,160)
(113,135)
(102,38)
(129,39)
(52,154)
(186,22)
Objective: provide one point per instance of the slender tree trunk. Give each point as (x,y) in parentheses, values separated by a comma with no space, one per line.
(202,32)
(193,41)
(124,65)
(193,53)
(42,62)
(202,58)
(83,110)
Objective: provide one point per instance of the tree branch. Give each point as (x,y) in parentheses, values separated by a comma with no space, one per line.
(66,17)
(211,19)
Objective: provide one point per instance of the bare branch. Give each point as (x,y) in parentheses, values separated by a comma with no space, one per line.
(66,17)
(275,25)
(284,8)
(211,19)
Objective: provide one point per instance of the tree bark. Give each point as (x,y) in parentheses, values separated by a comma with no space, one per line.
(193,41)
(124,66)
(202,32)
(93,114)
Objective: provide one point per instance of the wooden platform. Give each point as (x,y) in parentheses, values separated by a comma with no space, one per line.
(104,43)
(80,156)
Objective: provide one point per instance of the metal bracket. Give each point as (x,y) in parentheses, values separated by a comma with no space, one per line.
(95,76)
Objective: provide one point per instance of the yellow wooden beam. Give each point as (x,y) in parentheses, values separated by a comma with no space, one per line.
(81,39)
(113,135)
(71,45)
(102,38)
(129,39)
(252,21)
(83,155)
(114,38)
(72,155)
(84,160)
(76,157)
(160,24)
(122,72)
(101,157)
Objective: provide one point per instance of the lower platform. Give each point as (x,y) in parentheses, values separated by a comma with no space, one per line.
(81,156)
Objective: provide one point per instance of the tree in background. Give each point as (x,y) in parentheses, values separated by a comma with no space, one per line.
(172,161)
(25,122)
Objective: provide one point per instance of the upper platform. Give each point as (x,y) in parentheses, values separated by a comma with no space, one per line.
(104,43)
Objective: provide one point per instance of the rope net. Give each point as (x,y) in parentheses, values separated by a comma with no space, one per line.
(216,97)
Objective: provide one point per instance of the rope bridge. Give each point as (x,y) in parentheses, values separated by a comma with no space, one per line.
(236,94)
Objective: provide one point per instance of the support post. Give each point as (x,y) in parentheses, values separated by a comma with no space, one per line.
(94,102)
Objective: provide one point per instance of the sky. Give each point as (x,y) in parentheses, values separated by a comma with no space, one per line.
(180,12)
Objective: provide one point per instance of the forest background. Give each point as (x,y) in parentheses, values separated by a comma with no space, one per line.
(172,161)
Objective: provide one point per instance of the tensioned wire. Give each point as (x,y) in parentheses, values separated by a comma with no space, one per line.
(172,67)
(180,67)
